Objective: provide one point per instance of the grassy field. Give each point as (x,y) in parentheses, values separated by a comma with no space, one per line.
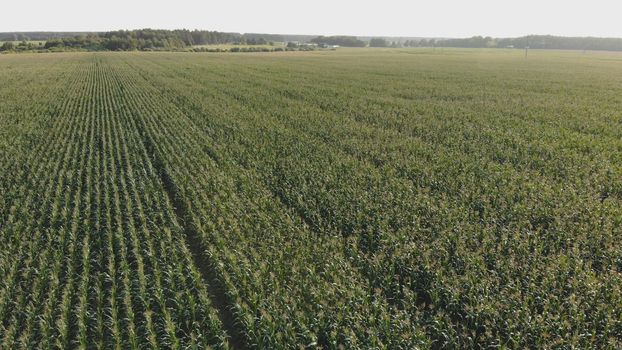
(389,198)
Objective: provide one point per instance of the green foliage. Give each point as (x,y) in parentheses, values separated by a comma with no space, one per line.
(7,46)
(347,41)
(142,39)
(91,254)
(537,42)
(378,42)
(159,40)
(403,199)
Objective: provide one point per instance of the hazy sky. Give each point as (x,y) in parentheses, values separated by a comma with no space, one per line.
(440,18)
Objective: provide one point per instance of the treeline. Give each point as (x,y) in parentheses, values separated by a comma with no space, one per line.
(532,41)
(340,40)
(143,39)
(535,42)
(183,39)
(22,46)
(37,36)
(156,39)
(381,42)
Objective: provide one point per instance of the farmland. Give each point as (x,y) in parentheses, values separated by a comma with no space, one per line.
(361,198)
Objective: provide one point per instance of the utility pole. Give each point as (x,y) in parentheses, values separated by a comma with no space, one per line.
(526,50)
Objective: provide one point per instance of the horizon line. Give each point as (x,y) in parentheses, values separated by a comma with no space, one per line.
(299,34)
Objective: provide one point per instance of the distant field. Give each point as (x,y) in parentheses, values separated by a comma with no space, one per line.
(357,199)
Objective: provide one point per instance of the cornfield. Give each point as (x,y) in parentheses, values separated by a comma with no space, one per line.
(357,199)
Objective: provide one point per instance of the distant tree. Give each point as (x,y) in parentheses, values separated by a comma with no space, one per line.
(53,43)
(155,39)
(378,42)
(7,46)
(347,41)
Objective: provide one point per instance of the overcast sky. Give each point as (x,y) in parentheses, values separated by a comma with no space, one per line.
(432,18)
